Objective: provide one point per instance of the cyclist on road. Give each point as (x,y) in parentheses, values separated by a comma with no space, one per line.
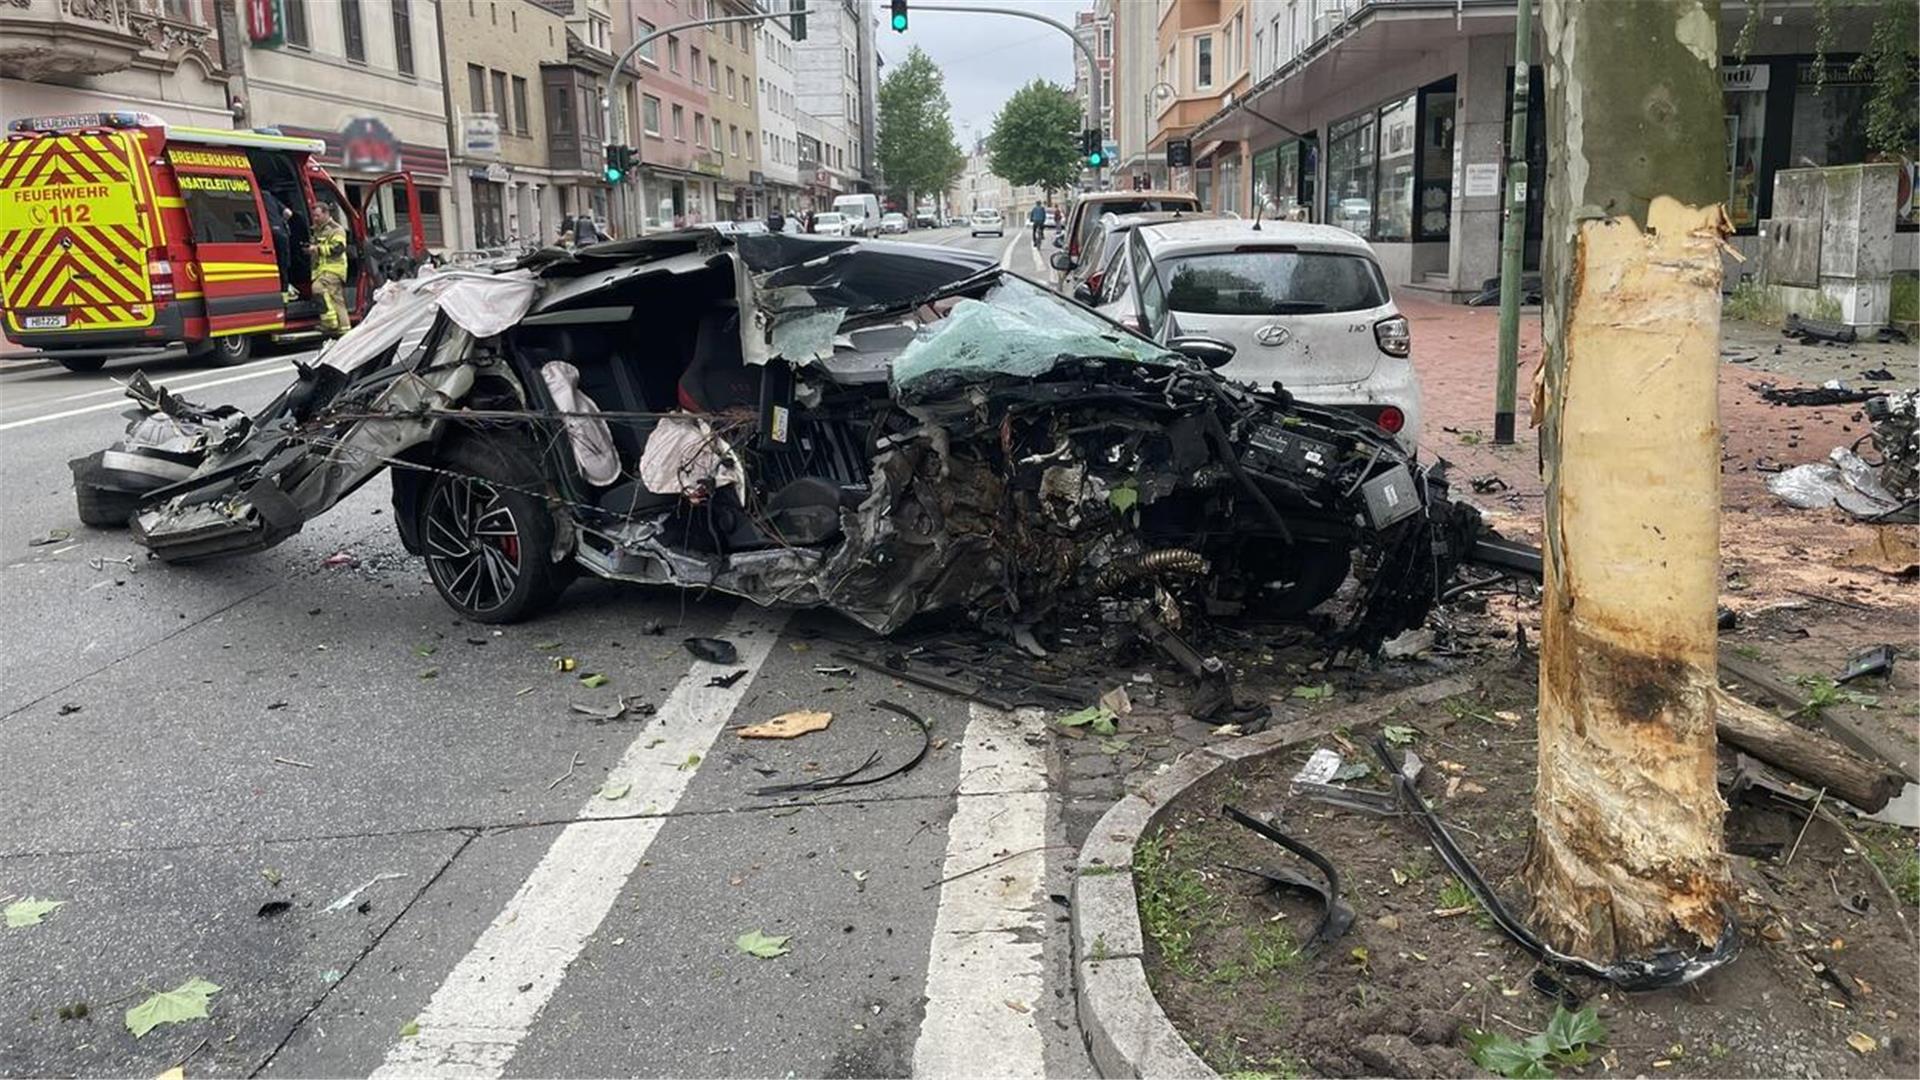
(1038,217)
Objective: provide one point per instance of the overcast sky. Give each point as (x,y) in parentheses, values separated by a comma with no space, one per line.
(985,57)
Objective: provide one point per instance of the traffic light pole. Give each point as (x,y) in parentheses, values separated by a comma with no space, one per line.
(1093,62)
(626,57)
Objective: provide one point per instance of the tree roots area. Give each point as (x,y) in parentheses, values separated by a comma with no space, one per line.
(1423,983)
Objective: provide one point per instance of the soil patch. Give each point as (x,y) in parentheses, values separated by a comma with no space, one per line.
(1423,967)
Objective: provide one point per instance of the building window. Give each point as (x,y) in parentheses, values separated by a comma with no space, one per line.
(520,105)
(1393,184)
(694,65)
(296,29)
(713,73)
(732,83)
(733,139)
(355,31)
(560,116)
(699,129)
(500,98)
(1433,194)
(717,144)
(673,54)
(680,123)
(477,88)
(1350,174)
(1106,41)
(648,52)
(650,115)
(403,36)
(749,145)
(1203,62)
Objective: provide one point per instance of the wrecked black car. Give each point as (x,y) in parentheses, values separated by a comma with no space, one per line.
(880,428)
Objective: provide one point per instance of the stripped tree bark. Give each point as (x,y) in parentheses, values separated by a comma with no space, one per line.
(1628,853)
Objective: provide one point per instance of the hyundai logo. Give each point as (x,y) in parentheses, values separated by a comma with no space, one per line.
(1272,334)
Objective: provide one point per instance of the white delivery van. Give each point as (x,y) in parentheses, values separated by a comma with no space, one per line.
(862,213)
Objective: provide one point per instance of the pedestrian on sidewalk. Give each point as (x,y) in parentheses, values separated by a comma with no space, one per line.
(329,250)
(1038,218)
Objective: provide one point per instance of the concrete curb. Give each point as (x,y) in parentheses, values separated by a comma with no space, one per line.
(1127,1033)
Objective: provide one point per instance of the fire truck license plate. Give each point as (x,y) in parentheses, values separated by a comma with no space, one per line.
(44,322)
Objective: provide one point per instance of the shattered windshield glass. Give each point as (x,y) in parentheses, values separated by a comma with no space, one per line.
(1019,329)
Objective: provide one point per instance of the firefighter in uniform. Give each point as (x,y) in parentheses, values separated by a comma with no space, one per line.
(329,249)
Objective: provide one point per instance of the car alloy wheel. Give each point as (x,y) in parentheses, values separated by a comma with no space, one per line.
(473,544)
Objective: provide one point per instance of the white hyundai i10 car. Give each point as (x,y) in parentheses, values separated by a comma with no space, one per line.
(1304,305)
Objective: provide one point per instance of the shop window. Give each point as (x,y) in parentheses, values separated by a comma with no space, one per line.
(1350,174)
(430,221)
(1829,121)
(1433,192)
(1393,185)
(1745,112)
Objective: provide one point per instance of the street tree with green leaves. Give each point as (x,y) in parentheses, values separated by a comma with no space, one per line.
(916,149)
(1036,137)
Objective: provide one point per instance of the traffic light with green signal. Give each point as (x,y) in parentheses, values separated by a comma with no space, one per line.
(1091,146)
(619,163)
(899,20)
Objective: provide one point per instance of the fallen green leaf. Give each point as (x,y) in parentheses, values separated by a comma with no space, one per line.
(271,874)
(763,945)
(410,1029)
(1352,770)
(547,646)
(188,1001)
(1097,718)
(614,791)
(592,681)
(1123,499)
(425,650)
(1397,734)
(1314,693)
(693,761)
(430,673)
(30,911)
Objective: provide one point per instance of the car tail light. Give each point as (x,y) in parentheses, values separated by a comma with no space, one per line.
(1394,336)
(1093,281)
(1391,419)
(160,274)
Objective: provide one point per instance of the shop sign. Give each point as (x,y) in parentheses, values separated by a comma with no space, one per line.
(1739,78)
(480,135)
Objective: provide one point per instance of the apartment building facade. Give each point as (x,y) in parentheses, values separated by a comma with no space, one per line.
(1200,61)
(732,69)
(668,117)
(779,107)
(173,59)
(833,85)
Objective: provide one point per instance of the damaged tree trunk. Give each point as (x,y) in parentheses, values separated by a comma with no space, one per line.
(1628,853)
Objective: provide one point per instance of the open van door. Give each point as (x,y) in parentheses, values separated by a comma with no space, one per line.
(393,236)
(232,247)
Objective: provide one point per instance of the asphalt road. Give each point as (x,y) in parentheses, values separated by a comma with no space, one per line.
(476,878)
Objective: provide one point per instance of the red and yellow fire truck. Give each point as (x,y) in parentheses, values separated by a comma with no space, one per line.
(121,235)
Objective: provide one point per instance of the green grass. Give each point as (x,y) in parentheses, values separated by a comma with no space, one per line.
(1906,298)
(1898,859)
(1271,949)
(1753,302)
(1174,900)
(1455,894)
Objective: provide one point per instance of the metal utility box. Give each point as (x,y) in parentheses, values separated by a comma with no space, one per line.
(1831,235)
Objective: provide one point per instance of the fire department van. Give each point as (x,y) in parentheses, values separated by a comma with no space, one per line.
(121,235)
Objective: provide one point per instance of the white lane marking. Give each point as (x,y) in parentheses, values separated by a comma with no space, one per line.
(478,1017)
(120,388)
(107,406)
(1006,257)
(985,956)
